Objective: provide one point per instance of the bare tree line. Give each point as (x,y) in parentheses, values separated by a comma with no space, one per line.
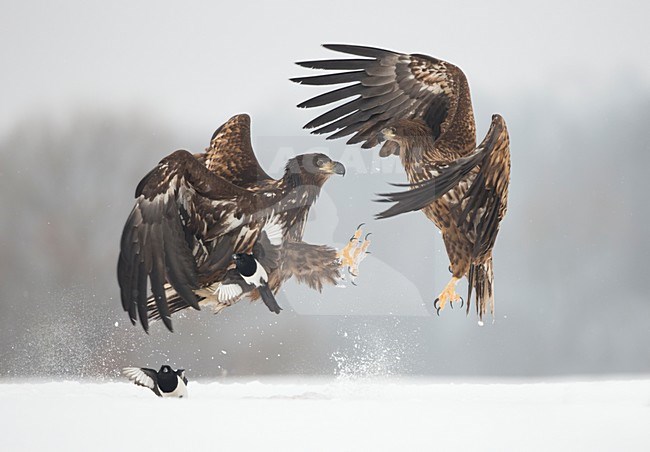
(571,261)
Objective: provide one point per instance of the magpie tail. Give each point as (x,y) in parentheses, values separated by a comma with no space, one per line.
(269,299)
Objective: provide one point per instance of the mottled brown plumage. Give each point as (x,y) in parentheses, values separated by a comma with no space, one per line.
(230,155)
(194,212)
(232,143)
(314,265)
(420,108)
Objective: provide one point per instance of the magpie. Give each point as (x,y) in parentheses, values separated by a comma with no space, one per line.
(251,270)
(248,274)
(164,383)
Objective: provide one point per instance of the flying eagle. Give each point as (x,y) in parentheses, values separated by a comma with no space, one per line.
(421,108)
(194,214)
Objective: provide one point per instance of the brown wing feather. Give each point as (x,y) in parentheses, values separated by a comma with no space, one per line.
(422,194)
(180,205)
(230,154)
(481,211)
(390,86)
(485,203)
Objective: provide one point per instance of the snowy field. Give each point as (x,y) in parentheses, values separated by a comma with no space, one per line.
(335,415)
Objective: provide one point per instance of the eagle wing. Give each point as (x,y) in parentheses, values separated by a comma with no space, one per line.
(388,86)
(180,206)
(226,285)
(230,154)
(484,204)
(315,265)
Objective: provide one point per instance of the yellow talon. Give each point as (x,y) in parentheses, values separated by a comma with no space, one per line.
(354,252)
(448,294)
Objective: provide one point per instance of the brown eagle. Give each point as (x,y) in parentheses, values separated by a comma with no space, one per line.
(197,216)
(421,108)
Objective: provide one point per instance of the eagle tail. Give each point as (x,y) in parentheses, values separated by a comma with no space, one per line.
(481,281)
(424,193)
(269,299)
(174,301)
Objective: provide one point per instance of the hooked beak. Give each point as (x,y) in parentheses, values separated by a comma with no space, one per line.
(336,168)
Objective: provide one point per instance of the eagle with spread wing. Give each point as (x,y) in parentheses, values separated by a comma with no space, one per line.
(197,214)
(420,108)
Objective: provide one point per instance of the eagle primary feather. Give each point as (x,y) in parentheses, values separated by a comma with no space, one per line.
(420,108)
(393,86)
(180,205)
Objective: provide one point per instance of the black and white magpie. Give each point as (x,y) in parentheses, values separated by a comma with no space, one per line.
(254,274)
(248,274)
(251,271)
(164,383)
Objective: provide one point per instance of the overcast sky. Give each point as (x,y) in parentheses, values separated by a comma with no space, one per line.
(198,62)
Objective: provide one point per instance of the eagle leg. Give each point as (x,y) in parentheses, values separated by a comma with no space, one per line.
(354,252)
(448,294)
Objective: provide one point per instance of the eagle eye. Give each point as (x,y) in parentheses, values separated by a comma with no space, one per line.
(320,162)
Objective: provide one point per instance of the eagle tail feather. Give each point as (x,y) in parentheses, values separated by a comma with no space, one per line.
(174,301)
(481,282)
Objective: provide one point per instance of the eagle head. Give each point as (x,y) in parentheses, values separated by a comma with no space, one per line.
(312,169)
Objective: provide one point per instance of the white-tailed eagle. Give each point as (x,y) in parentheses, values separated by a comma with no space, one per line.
(194,214)
(420,108)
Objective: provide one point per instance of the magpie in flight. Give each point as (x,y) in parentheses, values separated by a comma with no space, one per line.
(248,274)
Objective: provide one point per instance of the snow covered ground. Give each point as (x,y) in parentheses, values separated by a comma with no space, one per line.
(333,415)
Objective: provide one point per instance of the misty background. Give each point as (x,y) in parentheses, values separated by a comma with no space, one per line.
(95,94)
